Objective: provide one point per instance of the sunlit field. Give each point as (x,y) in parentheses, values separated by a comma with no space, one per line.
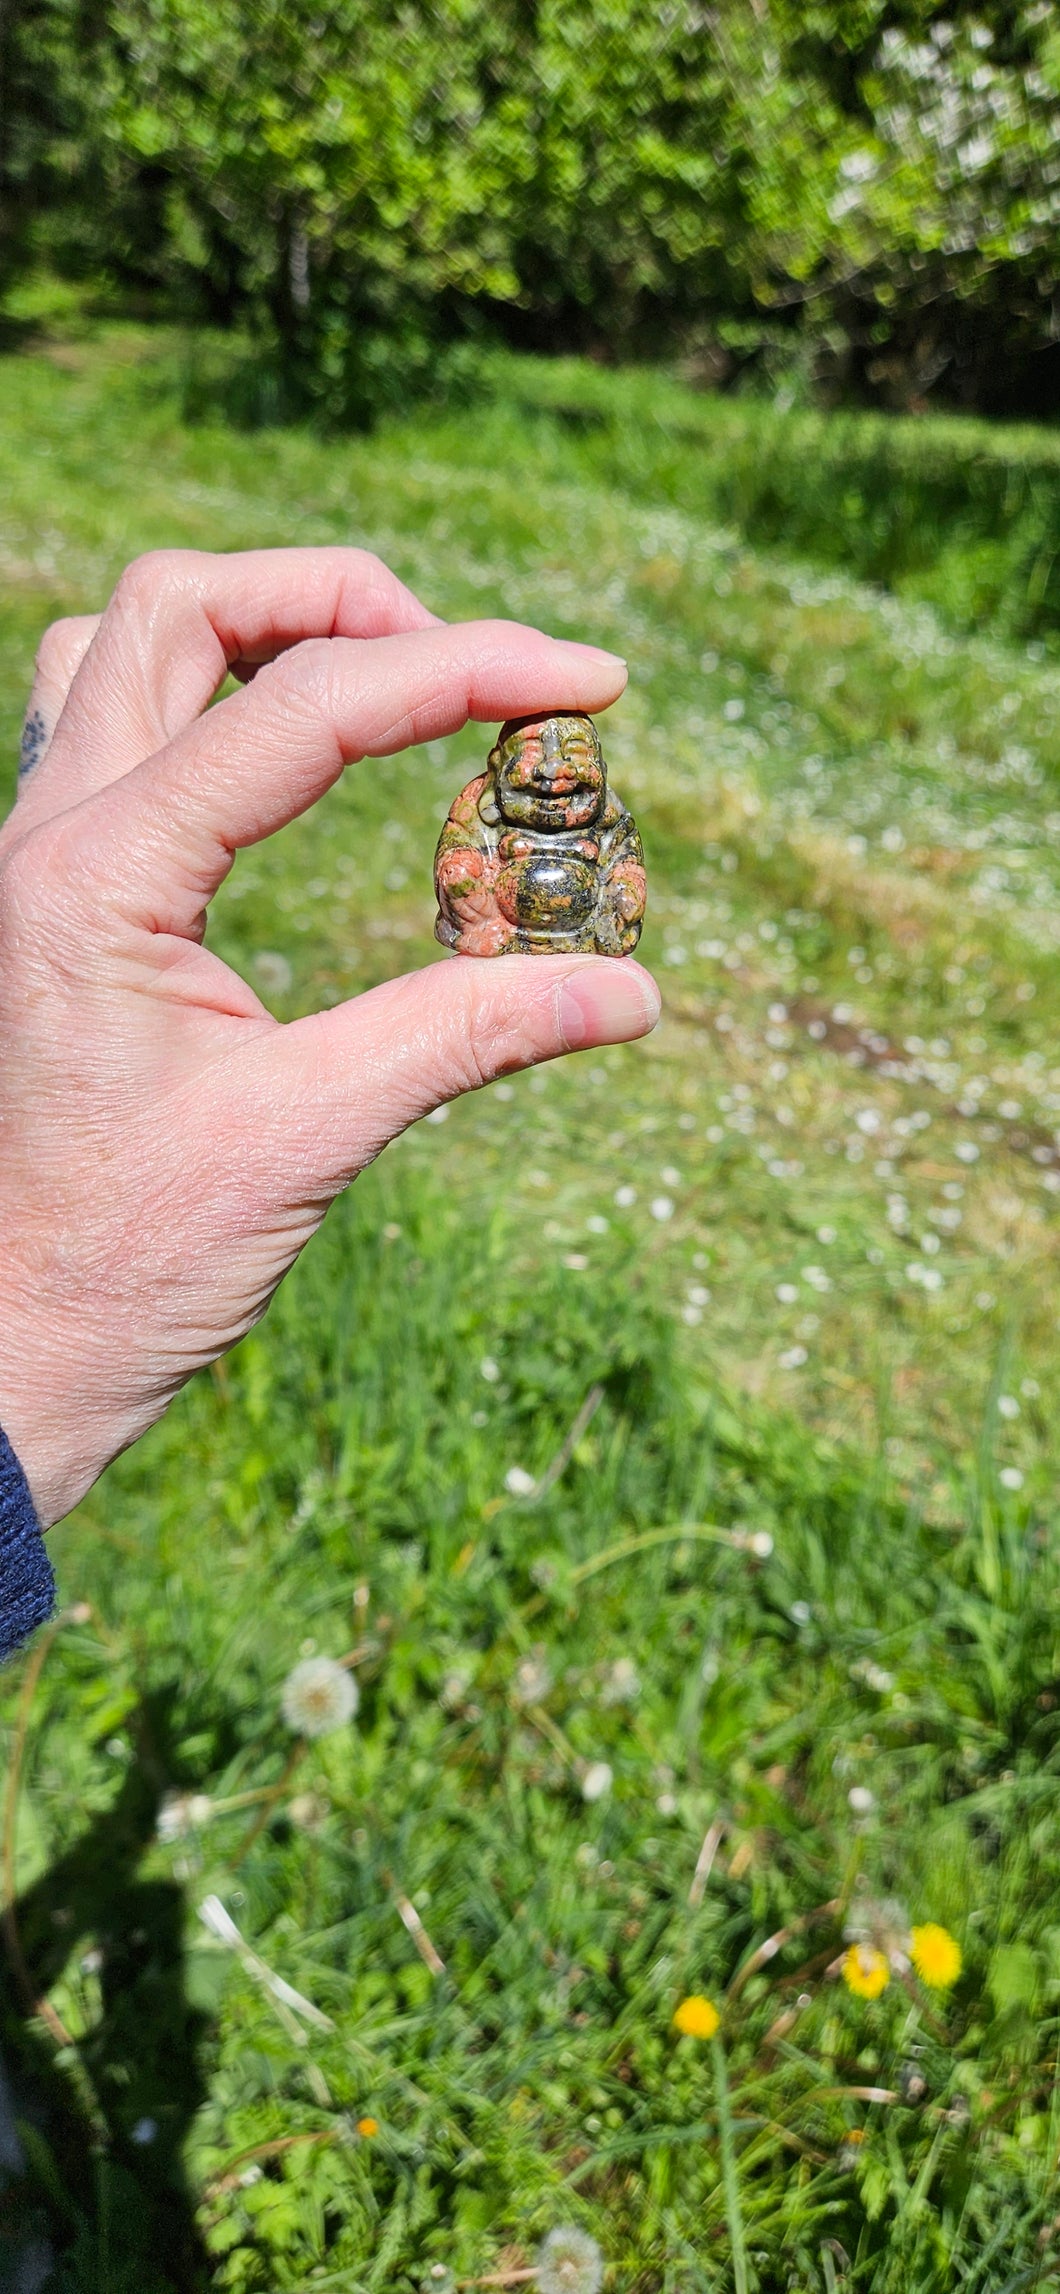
(661,1440)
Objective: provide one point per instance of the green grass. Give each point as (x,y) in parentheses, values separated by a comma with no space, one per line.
(827,1381)
(962,514)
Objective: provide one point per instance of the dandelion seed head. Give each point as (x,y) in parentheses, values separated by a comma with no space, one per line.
(318,1697)
(569,2262)
(273,972)
(884,1925)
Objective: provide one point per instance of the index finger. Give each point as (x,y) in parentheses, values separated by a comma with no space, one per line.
(162,841)
(180,619)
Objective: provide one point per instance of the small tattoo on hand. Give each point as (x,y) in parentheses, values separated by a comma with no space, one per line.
(34,743)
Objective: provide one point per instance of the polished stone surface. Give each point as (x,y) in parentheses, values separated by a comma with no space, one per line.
(538,853)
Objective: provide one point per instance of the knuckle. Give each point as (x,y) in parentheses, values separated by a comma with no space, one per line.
(370,568)
(147,576)
(56,645)
(20,889)
(300,678)
(497,1038)
(53,931)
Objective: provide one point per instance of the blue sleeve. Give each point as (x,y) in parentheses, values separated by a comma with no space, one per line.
(27,1585)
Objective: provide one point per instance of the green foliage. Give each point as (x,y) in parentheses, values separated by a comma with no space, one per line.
(847,812)
(365,183)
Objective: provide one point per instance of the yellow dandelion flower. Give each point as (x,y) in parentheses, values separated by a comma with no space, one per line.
(865,1971)
(697,2017)
(936,1955)
(366,2128)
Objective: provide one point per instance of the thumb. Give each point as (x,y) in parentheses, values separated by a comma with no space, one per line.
(354,1077)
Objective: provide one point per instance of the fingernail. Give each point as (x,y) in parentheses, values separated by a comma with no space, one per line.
(609,1002)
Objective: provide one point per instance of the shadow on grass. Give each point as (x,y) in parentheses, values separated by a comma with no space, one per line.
(92,2190)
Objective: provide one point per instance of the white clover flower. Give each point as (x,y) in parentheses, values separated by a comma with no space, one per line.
(1010,1478)
(625,1197)
(453,1691)
(319,1696)
(1007,1406)
(569,2262)
(793,1358)
(662,1207)
(519,1483)
(622,1686)
(787,1293)
(532,1679)
(438,1115)
(862,1801)
(596,1783)
(489,1370)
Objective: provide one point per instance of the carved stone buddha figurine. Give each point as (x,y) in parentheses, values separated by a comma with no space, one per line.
(538,853)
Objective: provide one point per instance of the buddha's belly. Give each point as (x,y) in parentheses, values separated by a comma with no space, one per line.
(548,894)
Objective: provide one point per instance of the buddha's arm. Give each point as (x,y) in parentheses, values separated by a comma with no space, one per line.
(465,878)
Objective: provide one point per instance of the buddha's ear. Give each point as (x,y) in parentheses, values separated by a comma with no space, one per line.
(487,806)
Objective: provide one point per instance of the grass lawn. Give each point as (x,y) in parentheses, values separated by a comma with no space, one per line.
(770,1665)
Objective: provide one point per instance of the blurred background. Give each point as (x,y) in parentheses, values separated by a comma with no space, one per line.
(661,1444)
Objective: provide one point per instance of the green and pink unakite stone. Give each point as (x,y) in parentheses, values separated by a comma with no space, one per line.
(538,853)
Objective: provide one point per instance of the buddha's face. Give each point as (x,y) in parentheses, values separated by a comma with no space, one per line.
(549,772)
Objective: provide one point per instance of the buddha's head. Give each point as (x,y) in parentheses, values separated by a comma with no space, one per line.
(549,772)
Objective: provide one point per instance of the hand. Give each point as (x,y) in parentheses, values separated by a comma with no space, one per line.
(166,1147)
